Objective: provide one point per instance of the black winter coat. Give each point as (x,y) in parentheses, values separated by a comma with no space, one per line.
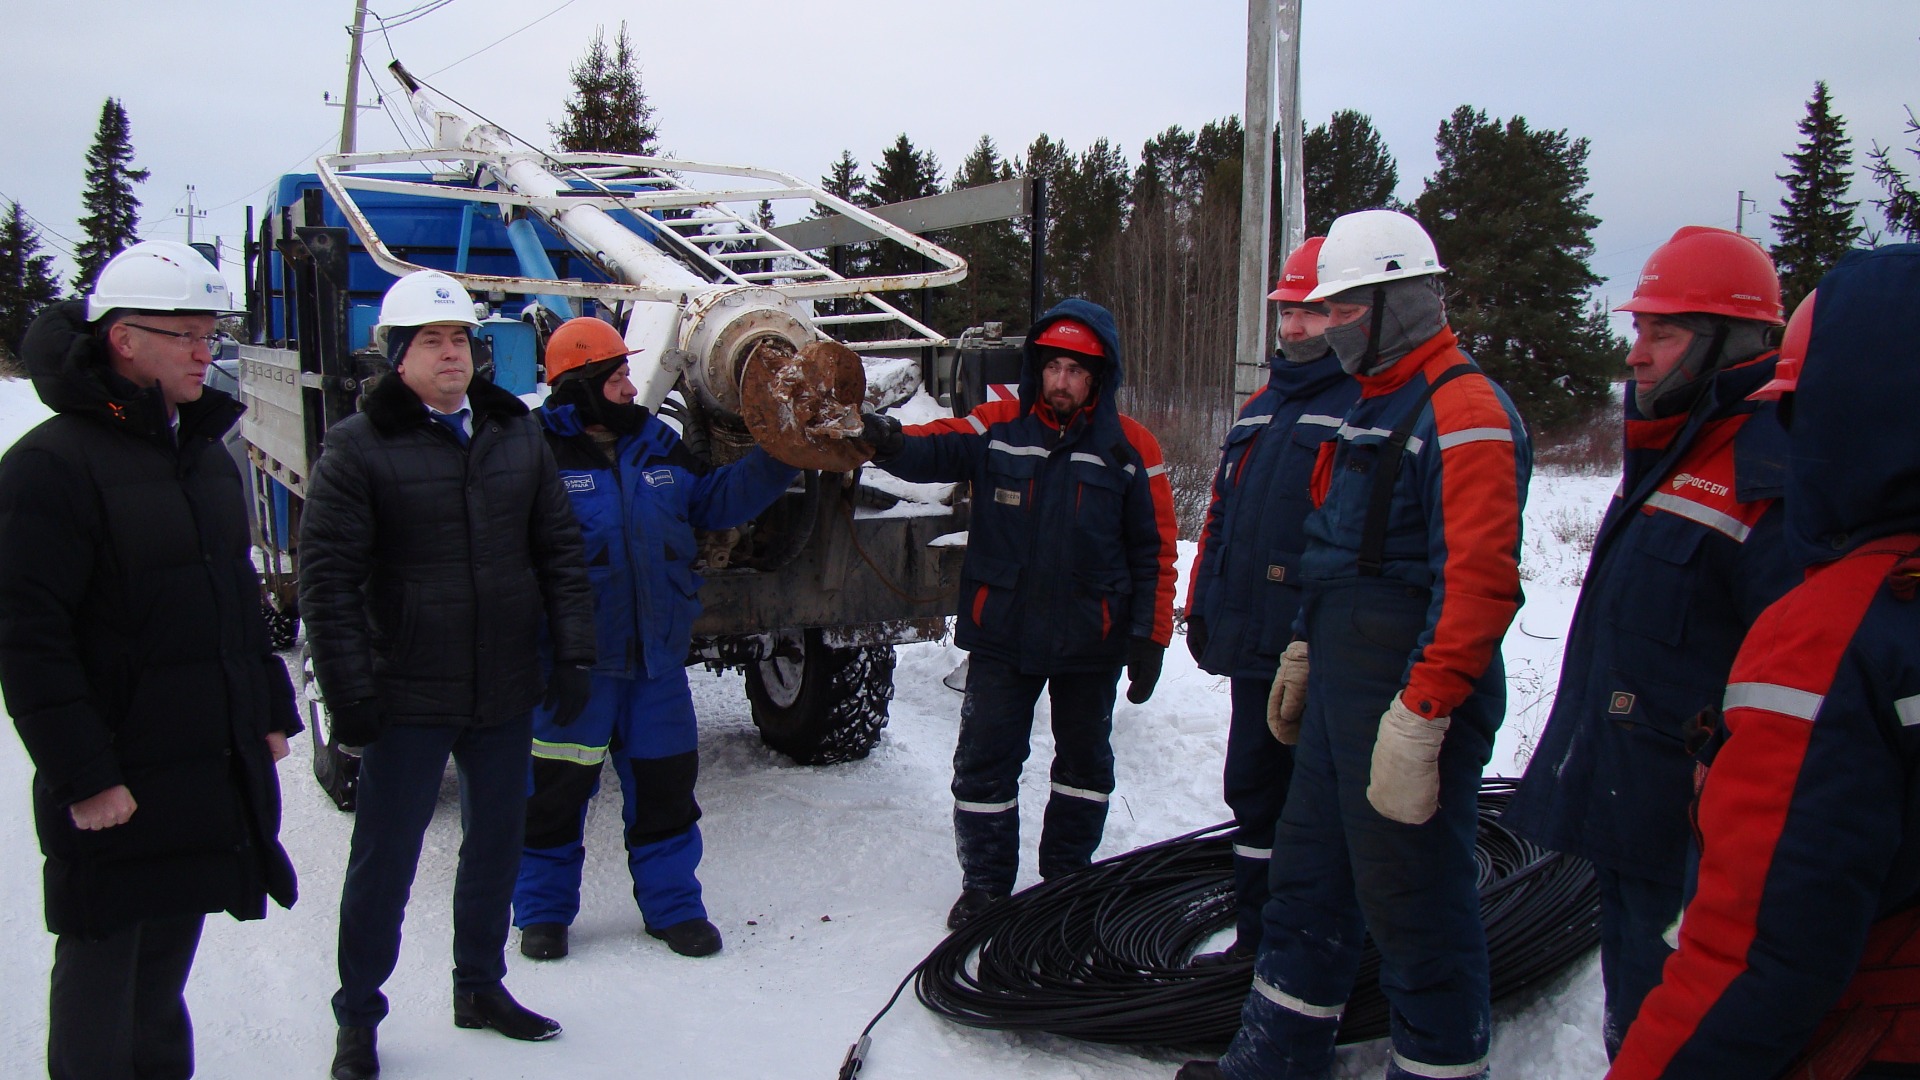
(426,569)
(132,647)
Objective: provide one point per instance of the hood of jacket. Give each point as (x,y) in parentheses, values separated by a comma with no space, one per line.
(69,368)
(1101,321)
(1854,470)
(391,405)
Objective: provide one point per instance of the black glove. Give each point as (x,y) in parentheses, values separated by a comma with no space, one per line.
(568,691)
(1143,668)
(355,723)
(1196,637)
(882,433)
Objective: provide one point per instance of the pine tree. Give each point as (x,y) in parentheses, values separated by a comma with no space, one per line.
(112,220)
(608,112)
(995,289)
(1816,224)
(27,281)
(903,172)
(1508,214)
(1346,167)
(1089,210)
(1902,204)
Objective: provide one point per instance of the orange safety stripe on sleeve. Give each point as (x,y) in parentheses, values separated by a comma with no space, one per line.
(1798,644)
(1161,490)
(989,414)
(1479,578)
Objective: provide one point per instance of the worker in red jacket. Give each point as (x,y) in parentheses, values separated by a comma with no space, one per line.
(1691,551)
(1412,574)
(1799,950)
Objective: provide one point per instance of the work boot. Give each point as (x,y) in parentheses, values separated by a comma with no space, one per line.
(543,941)
(353,1054)
(695,937)
(496,1009)
(1234,954)
(972,902)
(1200,1070)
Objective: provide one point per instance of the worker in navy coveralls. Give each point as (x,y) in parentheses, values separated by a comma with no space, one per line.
(1244,590)
(639,496)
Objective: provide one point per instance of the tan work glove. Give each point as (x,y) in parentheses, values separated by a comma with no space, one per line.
(1404,783)
(1288,698)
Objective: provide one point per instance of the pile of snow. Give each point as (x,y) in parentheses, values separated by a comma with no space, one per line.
(829,884)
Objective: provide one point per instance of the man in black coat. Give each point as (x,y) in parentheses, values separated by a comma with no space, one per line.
(435,541)
(135,661)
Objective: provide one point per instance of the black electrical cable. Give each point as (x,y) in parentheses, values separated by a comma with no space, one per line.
(1101,955)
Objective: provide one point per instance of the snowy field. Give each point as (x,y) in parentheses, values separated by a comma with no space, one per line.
(828,883)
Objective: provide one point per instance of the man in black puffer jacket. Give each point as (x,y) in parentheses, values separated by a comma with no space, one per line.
(436,540)
(135,660)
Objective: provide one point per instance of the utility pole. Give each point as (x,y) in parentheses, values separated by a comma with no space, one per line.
(1256,199)
(350,122)
(1740,211)
(190,213)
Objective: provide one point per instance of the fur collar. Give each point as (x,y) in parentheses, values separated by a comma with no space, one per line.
(391,405)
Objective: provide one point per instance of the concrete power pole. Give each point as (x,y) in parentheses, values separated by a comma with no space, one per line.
(350,119)
(1273,72)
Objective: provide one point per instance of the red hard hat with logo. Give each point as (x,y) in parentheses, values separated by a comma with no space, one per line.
(580,342)
(1073,336)
(1298,275)
(1708,271)
(1793,353)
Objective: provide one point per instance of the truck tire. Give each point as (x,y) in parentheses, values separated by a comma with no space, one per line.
(817,704)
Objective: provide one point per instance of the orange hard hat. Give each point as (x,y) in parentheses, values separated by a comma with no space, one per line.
(1298,275)
(1793,353)
(1073,336)
(580,342)
(1710,271)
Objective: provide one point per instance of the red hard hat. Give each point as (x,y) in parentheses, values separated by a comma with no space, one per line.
(1073,336)
(1710,271)
(1793,353)
(1297,274)
(583,341)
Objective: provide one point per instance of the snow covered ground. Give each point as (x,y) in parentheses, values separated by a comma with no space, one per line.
(829,884)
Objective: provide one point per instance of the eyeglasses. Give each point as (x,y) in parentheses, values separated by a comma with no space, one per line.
(211,341)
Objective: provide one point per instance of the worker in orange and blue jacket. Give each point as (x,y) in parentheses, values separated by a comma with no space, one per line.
(1692,549)
(1412,572)
(1068,577)
(1799,948)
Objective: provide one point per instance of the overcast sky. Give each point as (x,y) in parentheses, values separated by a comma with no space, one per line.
(1685,102)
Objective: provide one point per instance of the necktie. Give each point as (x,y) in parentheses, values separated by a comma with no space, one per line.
(456,422)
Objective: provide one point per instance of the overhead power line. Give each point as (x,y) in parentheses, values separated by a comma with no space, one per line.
(484,48)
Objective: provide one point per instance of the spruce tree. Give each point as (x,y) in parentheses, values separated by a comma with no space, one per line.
(1902,203)
(1089,210)
(112,220)
(1507,210)
(1346,167)
(27,281)
(608,112)
(995,289)
(1816,224)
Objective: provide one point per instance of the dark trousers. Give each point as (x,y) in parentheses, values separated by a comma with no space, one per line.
(1341,871)
(118,1009)
(399,785)
(996,722)
(1255,784)
(1634,915)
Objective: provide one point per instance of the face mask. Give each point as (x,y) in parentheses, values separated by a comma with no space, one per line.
(1401,316)
(1717,342)
(1306,350)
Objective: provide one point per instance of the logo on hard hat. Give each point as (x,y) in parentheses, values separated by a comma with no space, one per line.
(442,293)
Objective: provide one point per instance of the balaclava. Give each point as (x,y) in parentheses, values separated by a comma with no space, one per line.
(1718,341)
(585,389)
(1402,315)
(1306,350)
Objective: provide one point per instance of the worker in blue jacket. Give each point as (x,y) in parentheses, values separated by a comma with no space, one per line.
(1690,552)
(1245,585)
(639,497)
(1068,577)
(1799,950)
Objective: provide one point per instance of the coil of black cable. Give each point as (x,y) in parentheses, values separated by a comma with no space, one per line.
(1101,955)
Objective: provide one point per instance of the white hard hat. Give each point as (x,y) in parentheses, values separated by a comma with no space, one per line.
(421,298)
(159,275)
(1372,246)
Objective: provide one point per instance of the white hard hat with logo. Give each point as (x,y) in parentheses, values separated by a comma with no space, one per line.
(422,298)
(1372,246)
(162,276)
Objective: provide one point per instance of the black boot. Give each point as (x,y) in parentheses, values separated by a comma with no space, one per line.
(496,1009)
(1200,1070)
(1231,955)
(353,1054)
(972,902)
(543,941)
(695,937)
